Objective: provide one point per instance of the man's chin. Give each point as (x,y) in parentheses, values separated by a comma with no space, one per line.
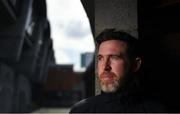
(110,88)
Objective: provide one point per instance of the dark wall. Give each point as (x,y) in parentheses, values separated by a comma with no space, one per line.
(159,33)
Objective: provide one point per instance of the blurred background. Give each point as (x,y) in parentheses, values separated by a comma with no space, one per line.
(46,47)
(47,50)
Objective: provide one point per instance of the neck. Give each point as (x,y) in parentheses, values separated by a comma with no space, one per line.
(116,92)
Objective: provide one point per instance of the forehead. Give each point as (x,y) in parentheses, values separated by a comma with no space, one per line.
(112,46)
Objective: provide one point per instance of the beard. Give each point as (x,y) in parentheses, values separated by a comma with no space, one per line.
(111,85)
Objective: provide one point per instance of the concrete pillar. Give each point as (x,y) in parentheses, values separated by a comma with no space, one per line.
(120,14)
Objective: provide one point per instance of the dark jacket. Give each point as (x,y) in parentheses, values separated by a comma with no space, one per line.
(117,102)
(129,98)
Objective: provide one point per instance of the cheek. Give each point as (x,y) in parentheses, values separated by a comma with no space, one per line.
(119,69)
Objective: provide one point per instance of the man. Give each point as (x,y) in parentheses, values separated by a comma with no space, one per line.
(118,62)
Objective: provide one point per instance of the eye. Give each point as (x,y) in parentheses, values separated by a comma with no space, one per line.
(116,57)
(99,57)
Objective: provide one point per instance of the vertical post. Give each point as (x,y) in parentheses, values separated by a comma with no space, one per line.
(120,14)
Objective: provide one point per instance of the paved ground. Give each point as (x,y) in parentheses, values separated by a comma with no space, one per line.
(52,110)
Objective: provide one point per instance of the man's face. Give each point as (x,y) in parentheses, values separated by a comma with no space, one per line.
(112,64)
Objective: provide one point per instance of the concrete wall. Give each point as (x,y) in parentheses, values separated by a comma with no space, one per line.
(120,14)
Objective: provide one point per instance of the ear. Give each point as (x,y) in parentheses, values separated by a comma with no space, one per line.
(137,64)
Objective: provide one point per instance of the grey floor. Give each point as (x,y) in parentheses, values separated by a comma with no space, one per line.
(52,110)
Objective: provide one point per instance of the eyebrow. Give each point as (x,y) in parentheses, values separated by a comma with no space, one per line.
(120,55)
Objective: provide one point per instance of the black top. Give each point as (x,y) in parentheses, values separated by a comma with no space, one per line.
(117,102)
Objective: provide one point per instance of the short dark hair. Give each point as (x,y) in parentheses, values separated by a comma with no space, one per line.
(113,34)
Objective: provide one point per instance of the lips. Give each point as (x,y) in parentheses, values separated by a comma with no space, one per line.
(107,76)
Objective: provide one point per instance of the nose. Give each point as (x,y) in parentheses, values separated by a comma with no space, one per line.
(107,65)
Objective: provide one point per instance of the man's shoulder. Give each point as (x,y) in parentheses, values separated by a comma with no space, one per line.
(154,105)
(86,102)
(85,105)
(150,104)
